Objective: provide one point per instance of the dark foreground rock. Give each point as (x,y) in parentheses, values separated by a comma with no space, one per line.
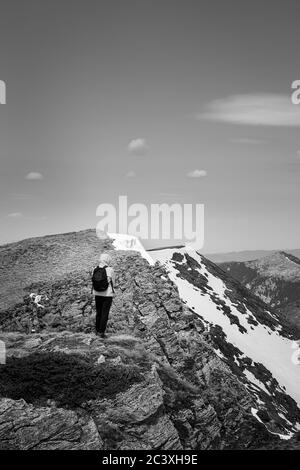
(23,426)
(75,391)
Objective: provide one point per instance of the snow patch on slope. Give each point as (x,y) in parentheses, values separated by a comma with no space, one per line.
(285,437)
(259,343)
(129,242)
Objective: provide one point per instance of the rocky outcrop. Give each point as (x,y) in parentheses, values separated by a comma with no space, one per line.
(26,427)
(155,383)
(162,386)
(248,337)
(74,391)
(81,393)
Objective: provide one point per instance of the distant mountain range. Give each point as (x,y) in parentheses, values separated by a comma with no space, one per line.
(247,255)
(274,278)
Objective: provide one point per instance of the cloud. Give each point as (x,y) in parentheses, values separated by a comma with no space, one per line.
(15,215)
(21,196)
(137,146)
(254,109)
(246,141)
(131,174)
(18,215)
(33,175)
(197,174)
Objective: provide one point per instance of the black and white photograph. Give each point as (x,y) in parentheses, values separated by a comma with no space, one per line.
(150,229)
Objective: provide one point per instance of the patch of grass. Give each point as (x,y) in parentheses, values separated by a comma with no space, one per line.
(178,392)
(69,380)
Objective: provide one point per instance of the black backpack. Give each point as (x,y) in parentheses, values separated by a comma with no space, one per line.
(99,279)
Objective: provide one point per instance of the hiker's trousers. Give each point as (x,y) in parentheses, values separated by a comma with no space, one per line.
(103,305)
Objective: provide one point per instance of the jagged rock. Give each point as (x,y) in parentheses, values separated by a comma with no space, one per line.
(24,427)
(158,409)
(163,386)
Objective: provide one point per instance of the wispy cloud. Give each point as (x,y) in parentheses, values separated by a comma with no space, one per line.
(246,141)
(20,196)
(131,174)
(197,174)
(15,215)
(253,109)
(19,215)
(34,175)
(138,146)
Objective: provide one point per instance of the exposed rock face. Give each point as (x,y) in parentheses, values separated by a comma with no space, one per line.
(129,414)
(155,383)
(142,402)
(245,334)
(25,427)
(184,395)
(290,444)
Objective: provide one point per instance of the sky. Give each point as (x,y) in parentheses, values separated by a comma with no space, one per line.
(164,101)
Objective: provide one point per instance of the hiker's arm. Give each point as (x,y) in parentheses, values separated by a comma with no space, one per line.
(90,276)
(112,278)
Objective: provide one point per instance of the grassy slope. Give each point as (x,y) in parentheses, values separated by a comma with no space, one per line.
(45,259)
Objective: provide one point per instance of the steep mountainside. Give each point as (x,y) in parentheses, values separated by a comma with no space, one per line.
(166,377)
(245,334)
(275,279)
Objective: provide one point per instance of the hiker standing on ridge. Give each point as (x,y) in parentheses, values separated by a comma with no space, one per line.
(103,280)
(34,322)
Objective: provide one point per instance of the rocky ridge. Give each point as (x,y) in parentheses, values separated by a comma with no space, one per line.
(160,384)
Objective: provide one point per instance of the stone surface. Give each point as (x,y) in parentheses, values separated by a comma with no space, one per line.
(25,427)
(180,394)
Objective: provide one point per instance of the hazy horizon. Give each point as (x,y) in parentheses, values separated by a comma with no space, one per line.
(150,245)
